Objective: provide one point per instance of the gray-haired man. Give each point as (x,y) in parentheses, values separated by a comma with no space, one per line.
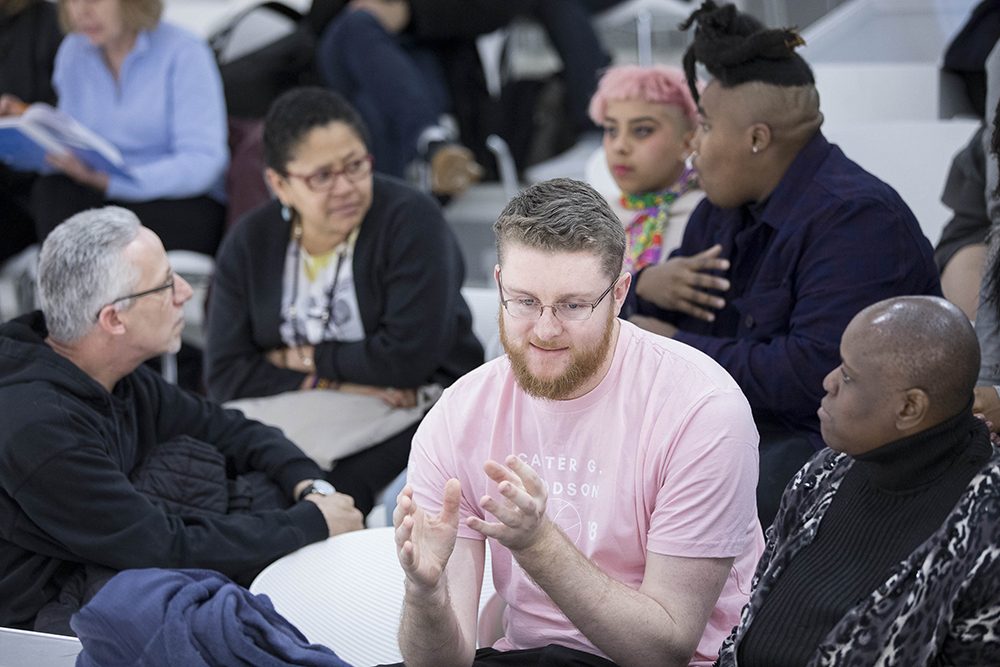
(103,465)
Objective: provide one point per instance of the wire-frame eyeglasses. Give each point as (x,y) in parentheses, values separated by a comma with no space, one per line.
(526,308)
(169,285)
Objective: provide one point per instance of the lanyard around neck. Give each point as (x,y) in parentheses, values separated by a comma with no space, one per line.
(301,337)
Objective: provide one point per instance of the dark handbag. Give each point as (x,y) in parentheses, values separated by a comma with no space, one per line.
(253,80)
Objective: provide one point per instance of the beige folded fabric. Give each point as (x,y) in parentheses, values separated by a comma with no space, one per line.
(330,425)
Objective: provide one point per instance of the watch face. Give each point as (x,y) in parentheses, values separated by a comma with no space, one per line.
(323,487)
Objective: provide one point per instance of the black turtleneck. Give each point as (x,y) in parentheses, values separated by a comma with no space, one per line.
(890,501)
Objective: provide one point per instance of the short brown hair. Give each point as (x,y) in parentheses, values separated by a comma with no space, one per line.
(563,215)
(137,15)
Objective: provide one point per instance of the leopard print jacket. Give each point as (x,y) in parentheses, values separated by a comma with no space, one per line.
(939,607)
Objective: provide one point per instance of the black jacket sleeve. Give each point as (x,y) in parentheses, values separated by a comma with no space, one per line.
(78,504)
(247,445)
(462,19)
(243,311)
(28,52)
(408,275)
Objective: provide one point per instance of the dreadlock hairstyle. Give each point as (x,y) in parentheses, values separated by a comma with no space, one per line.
(736,48)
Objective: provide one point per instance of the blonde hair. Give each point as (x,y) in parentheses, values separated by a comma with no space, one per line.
(562,215)
(137,15)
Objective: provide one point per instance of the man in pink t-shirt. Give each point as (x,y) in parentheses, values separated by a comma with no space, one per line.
(612,470)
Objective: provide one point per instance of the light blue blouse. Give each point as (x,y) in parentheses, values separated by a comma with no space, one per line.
(166,113)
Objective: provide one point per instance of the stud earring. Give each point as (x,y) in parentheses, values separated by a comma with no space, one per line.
(755,149)
(286,212)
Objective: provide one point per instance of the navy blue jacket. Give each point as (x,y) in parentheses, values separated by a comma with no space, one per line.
(196,618)
(830,240)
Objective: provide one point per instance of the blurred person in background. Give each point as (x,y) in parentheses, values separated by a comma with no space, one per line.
(29,38)
(649,119)
(153,91)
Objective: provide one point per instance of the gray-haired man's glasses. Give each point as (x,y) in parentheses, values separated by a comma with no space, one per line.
(528,308)
(169,285)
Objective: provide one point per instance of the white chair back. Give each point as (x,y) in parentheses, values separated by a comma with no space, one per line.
(484,303)
(19,648)
(346,593)
(196,268)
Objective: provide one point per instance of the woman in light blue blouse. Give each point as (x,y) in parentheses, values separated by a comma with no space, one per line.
(152,90)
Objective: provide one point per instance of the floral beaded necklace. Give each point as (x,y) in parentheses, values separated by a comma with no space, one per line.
(645,230)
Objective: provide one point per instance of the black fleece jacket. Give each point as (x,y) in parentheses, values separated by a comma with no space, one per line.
(67,448)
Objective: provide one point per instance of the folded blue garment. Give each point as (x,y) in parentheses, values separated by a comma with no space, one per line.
(156,617)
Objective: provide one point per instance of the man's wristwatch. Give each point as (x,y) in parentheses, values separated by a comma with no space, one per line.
(320,486)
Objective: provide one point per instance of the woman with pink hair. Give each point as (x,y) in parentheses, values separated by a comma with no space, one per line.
(649,119)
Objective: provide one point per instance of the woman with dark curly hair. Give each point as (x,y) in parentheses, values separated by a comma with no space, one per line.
(334,306)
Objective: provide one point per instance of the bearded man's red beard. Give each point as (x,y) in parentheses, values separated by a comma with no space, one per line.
(584,363)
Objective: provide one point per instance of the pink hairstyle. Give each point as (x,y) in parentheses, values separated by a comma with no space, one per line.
(657,84)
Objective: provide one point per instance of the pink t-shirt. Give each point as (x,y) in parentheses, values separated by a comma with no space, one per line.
(661,456)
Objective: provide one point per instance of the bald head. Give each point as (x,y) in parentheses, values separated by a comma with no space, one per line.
(920,342)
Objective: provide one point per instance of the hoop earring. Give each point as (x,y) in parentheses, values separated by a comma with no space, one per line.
(287,213)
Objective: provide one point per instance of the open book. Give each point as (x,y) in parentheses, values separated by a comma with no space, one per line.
(25,140)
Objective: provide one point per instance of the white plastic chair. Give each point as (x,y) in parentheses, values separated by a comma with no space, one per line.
(19,648)
(346,593)
(484,303)
(598,176)
(17,282)
(196,268)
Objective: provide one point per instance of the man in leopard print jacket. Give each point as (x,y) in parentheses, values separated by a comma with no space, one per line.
(886,548)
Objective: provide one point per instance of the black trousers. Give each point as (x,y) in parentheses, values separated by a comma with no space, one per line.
(363,475)
(569,26)
(195,223)
(782,453)
(15,212)
(552,655)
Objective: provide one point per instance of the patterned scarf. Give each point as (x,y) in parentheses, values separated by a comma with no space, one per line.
(645,231)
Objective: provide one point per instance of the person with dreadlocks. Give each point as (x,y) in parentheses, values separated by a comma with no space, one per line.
(792,240)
